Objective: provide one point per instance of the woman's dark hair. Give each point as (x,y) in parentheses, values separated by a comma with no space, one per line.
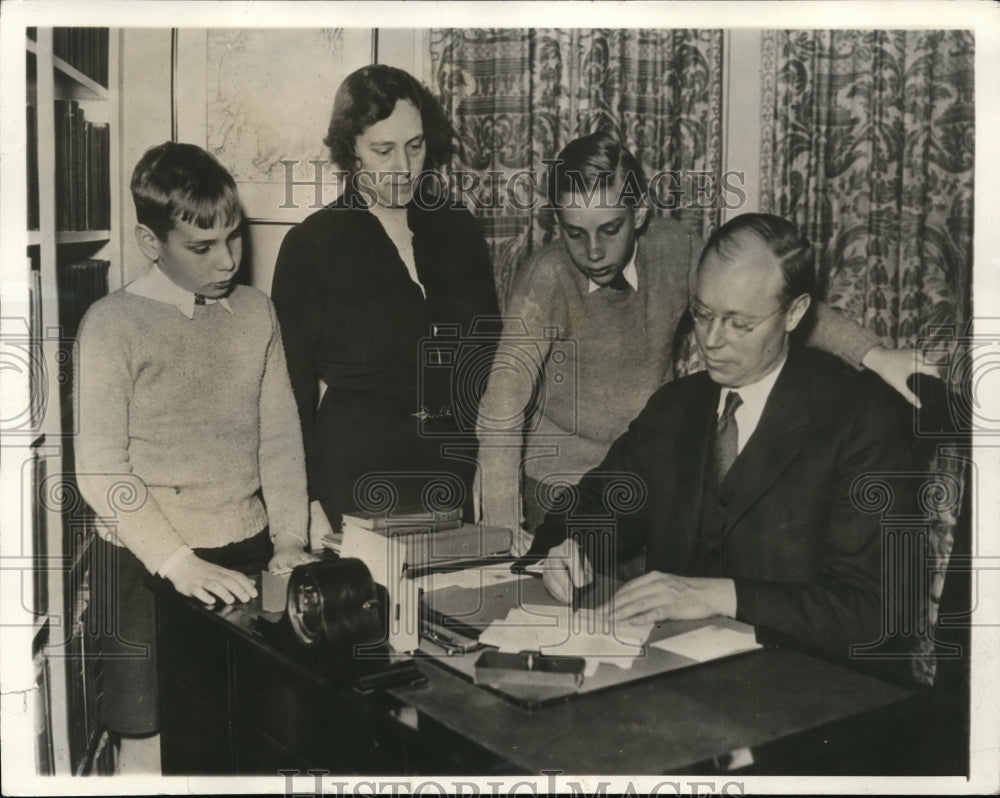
(793,251)
(369,95)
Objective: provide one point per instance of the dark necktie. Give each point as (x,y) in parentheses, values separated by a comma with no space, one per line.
(727,435)
(199,299)
(619,283)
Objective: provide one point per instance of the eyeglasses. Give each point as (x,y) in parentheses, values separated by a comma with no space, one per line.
(737,325)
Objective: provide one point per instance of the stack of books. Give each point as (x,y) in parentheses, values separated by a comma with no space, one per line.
(82,170)
(31,124)
(398,544)
(389,543)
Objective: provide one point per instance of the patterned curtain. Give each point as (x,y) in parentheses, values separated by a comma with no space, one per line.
(868,145)
(515,97)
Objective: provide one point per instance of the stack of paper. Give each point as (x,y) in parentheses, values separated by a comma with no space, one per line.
(558,631)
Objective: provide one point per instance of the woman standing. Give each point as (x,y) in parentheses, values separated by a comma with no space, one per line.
(361,288)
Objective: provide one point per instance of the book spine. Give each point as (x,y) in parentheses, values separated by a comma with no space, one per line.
(31,121)
(93,178)
(437,519)
(104,49)
(85,176)
(103,193)
(79,215)
(65,112)
(60,43)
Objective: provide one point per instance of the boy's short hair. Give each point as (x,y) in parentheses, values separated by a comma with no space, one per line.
(789,246)
(182,182)
(593,162)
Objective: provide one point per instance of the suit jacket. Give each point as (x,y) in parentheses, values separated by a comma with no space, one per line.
(806,561)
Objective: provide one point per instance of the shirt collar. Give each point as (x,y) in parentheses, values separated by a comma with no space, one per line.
(154,284)
(630,273)
(755,395)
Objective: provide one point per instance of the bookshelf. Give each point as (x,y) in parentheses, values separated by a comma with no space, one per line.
(74,242)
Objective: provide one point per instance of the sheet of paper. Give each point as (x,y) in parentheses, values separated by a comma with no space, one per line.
(468,578)
(709,642)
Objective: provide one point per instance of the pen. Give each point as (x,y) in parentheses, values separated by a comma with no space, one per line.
(451,646)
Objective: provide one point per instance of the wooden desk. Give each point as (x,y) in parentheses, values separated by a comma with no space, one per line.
(232,704)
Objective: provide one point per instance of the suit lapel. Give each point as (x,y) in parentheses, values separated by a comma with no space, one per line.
(773,445)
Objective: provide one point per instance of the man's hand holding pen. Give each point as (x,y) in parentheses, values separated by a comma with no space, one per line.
(565,569)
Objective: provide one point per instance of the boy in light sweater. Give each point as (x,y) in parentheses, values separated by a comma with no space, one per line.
(189,449)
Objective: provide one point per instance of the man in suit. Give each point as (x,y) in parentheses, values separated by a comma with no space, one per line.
(747,467)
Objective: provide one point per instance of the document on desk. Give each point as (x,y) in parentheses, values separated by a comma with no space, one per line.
(468,578)
(558,631)
(710,642)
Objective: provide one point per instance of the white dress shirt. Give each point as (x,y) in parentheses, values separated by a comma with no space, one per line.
(754,398)
(154,284)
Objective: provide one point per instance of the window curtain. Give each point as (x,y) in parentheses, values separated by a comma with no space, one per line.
(868,145)
(515,97)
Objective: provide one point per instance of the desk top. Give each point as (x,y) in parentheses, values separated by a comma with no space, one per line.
(668,723)
(661,725)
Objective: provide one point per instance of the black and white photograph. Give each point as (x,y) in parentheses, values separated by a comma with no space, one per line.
(499,398)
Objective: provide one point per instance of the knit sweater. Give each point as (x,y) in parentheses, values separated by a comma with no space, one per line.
(592,360)
(188,426)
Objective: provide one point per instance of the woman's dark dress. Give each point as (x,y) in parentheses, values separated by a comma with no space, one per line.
(351,316)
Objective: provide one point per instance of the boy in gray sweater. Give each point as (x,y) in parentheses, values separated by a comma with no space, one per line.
(189,449)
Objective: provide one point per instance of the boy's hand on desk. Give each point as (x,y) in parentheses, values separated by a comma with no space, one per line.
(288,552)
(565,568)
(665,597)
(193,576)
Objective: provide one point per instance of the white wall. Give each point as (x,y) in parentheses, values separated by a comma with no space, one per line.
(145,122)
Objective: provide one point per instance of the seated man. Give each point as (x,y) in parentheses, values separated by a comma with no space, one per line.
(588,333)
(748,466)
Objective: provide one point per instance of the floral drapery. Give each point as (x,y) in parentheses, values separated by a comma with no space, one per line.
(515,97)
(869,145)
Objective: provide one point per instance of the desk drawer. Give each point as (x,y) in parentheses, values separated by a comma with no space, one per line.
(259,755)
(194,652)
(329,728)
(195,737)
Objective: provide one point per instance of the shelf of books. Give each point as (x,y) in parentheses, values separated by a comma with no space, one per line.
(73,258)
